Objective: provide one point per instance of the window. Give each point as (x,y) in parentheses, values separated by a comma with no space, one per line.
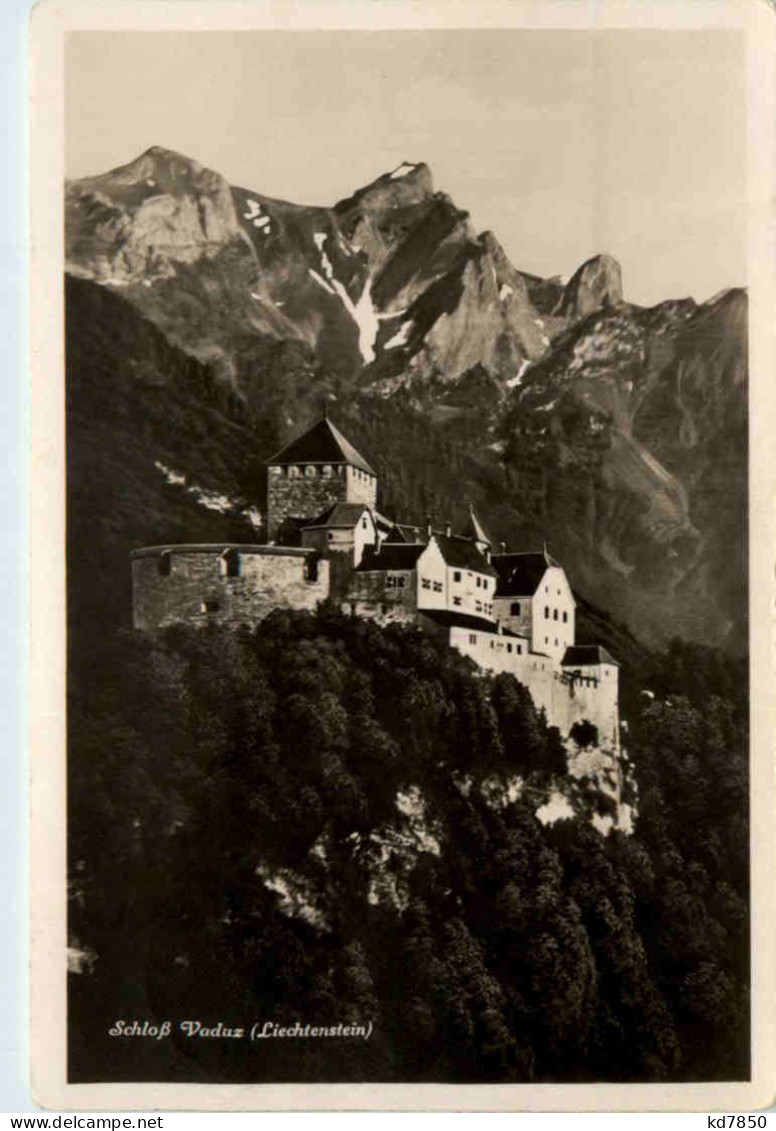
(437,586)
(556,642)
(472,638)
(479,582)
(393,581)
(520,649)
(229,564)
(309,471)
(330,536)
(554,614)
(509,647)
(456,600)
(310,569)
(457,575)
(426,583)
(546,612)
(515,609)
(165,565)
(364,523)
(565,618)
(210,606)
(478,606)
(546,641)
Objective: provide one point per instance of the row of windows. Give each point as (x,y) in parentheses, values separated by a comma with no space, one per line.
(483,607)
(482,582)
(518,648)
(554,614)
(426,583)
(229,566)
(395,581)
(309,471)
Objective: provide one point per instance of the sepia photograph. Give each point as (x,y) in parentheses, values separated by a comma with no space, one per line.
(405,391)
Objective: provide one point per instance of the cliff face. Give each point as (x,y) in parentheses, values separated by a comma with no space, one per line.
(615,432)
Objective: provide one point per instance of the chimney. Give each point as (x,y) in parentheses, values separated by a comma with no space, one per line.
(448,529)
(503,547)
(428,525)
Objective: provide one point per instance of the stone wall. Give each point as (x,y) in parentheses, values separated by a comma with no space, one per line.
(302,492)
(197,585)
(369,595)
(362,488)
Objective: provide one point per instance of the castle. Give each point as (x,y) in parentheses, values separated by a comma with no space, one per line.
(509,612)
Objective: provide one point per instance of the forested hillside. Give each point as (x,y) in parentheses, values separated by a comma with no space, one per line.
(329,822)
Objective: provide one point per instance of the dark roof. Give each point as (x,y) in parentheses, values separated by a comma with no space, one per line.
(519,574)
(323,443)
(461,553)
(341,514)
(582,655)
(221,548)
(462,620)
(399,556)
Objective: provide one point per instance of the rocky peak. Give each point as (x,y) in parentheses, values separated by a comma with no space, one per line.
(593,286)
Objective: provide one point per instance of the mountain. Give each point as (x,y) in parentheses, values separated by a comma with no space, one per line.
(617,433)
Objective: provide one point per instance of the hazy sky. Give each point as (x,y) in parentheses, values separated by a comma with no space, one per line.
(563,143)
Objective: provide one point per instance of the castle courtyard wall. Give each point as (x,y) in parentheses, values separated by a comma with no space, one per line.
(197,590)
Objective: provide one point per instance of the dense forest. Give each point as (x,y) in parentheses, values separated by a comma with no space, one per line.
(325,821)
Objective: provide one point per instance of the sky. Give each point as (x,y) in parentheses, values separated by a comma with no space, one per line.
(564,143)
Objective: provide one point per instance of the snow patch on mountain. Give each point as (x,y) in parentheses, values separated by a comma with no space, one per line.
(402,170)
(212,500)
(321,282)
(254,209)
(505,291)
(401,337)
(362,312)
(518,377)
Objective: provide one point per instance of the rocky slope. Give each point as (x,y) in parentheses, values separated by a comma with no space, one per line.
(617,433)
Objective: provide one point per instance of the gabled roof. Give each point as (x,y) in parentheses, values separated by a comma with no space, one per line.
(323,443)
(344,515)
(398,556)
(475,530)
(519,574)
(461,553)
(583,655)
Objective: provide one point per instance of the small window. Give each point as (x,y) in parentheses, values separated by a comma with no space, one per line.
(554,614)
(437,586)
(478,606)
(509,647)
(457,575)
(472,638)
(515,609)
(311,569)
(309,471)
(457,600)
(426,583)
(330,536)
(546,641)
(546,612)
(556,642)
(229,564)
(165,565)
(520,649)
(210,606)
(565,618)
(364,523)
(479,583)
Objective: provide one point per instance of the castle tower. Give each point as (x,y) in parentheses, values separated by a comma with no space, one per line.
(313,472)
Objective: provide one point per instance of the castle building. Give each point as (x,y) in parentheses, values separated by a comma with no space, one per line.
(312,473)
(508,612)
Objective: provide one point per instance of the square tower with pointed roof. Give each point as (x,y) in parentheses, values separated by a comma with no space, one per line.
(312,472)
